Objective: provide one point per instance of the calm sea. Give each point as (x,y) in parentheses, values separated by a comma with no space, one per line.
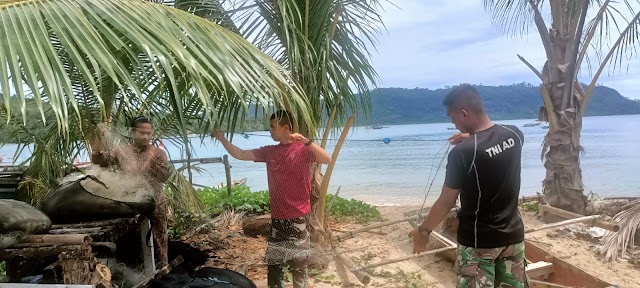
(398,172)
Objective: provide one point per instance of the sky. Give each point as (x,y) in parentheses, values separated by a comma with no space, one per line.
(431,44)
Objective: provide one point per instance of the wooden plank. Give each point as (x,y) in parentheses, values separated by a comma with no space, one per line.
(539,269)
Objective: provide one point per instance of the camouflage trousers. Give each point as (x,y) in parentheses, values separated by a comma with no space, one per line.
(288,247)
(491,267)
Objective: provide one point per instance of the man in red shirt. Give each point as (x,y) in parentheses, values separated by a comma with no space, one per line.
(289,177)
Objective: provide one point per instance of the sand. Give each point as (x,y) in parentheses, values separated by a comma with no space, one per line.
(431,271)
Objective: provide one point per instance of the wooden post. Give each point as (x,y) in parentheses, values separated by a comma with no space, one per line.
(147,252)
(227,172)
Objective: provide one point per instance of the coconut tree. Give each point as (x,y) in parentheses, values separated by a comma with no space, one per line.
(325,46)
(570,31)
(103,61)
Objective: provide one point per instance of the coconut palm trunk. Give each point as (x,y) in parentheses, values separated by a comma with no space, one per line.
(567,42)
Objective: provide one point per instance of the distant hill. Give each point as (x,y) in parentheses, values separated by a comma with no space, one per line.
(403,106)
(517,101)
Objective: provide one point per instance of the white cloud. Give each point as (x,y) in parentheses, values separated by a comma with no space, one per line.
(436,43)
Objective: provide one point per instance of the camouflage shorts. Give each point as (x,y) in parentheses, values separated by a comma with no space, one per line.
(493,267)
(288,240)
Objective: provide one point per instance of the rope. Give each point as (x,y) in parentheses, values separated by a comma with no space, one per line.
(428,190)
(362,140)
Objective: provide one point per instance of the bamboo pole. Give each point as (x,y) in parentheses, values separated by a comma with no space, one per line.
(570,215)
(328,209)
(564,223)
(327,174)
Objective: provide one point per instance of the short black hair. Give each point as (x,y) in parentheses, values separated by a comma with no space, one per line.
(284,118)
(139,120)
(464,96)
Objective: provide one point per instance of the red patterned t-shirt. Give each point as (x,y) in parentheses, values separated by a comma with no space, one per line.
(289,178)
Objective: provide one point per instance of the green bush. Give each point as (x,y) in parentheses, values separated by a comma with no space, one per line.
(255,203)
(3,269)
(242,199)
(353,209)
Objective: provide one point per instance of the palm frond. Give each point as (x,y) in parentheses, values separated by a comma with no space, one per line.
(325,46)
(114,37)
(622,49)
(615,245)
(513,17)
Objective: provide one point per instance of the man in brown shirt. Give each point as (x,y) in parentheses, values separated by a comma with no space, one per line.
(151,164)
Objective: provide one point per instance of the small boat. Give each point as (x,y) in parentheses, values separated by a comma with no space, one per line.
(377,127)
(531,124)
(543,269)
(451,128)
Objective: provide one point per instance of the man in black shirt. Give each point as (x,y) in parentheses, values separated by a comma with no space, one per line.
(484,170)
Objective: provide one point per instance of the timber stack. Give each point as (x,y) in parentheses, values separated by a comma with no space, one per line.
(68,253)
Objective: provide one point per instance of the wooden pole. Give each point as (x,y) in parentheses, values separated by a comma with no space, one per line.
(570,215)
(350,234)
(227,172)
(58,239)
(454,246)
(564,223)
(94,224)
(391,261)
(362,276)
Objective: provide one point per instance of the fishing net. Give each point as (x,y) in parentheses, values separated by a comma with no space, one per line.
(117,190)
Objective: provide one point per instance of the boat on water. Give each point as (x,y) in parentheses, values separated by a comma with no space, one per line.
(531,124)
(377,127)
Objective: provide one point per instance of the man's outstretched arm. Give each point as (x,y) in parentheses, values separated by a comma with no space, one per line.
(235,152)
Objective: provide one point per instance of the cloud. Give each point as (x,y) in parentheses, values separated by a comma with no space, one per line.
(431,44)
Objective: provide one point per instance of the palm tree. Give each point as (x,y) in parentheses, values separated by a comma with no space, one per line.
(325,46)
(568,39)
(103,61)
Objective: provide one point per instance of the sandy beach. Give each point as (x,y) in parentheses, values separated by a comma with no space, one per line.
(430,271)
